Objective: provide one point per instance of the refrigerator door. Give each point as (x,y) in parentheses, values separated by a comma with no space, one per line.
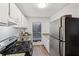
(54,46)
(72,37)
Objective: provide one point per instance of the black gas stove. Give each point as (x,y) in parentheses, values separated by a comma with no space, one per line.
(18,47)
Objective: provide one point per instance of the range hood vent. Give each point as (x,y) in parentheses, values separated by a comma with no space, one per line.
(7,24)
(3,24)
(11,23)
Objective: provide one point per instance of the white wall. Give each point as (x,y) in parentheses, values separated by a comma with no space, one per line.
(45,28)
(44,23)
(72,9)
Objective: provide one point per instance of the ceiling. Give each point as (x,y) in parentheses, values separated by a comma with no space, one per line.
(31,9)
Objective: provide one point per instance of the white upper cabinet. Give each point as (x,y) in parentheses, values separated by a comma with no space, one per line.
(4,10)
(24,21)
(15,14)
(10,14)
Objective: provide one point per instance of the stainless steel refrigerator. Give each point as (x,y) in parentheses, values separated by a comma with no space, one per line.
(64,36)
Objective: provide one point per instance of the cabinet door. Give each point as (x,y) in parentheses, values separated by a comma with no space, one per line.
(45,40)
(17,16)
(24,22)
(13,10)
(19,21)
(4,9)
(14,13)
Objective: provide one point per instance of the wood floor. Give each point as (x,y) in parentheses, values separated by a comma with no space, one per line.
(38,50)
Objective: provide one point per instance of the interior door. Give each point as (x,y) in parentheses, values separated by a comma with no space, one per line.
(72,36)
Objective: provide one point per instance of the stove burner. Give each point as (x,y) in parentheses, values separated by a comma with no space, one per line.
(19,47)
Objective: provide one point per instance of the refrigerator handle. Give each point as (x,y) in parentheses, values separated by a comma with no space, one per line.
(59,42)
(59,33)
(60,52)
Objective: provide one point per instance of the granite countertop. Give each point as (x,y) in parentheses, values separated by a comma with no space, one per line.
(45,33)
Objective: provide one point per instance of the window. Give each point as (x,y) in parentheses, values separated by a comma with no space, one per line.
(36,31)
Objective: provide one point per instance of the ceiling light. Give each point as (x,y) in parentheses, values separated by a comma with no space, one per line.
(42,5)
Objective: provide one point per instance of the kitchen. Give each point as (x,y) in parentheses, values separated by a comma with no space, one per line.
(39,29)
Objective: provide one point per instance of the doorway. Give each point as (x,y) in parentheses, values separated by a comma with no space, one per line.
(36,26)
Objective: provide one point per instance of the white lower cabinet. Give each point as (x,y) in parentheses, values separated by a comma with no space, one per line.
(45,39)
